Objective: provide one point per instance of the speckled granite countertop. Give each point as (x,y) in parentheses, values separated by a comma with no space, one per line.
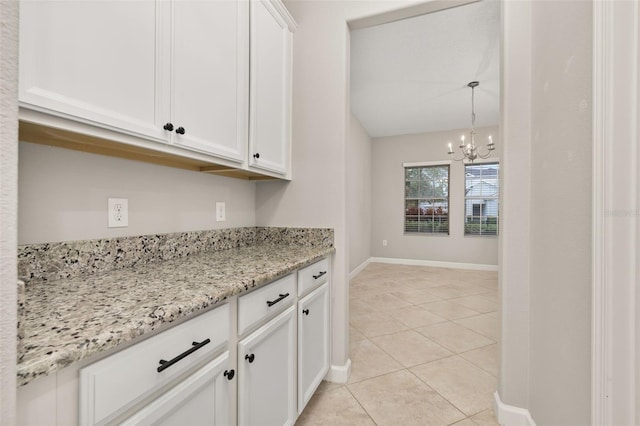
(74,318)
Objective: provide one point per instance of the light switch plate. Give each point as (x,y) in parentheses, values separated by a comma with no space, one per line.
(220,211)
(118,212)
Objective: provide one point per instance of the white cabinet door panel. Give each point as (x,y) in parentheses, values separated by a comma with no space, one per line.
(266,373)
(200,400)
(313,343)
(96,61)
(209,76)
(270,126)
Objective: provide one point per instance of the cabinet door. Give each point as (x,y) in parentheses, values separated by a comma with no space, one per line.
(94,61)
(210,76)
(201,399)
(270,116)
(266,373)
(313,343)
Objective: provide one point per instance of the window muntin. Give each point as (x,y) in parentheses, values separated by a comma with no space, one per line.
(426,199)
(482,199)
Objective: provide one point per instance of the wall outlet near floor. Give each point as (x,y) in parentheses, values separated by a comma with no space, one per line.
(220,212)
(118,211)
(384,243)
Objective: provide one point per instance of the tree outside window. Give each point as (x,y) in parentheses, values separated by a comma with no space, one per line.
(427,199)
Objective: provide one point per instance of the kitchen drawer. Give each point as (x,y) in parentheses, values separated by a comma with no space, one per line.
(312,276)
(111,386)
(264,302)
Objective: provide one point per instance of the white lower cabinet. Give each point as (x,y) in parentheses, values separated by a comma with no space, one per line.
(201,399)
(277,351)
(267,372)
(313,343)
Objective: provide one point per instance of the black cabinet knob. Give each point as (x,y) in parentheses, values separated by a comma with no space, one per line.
(168,126)
(250,358)
(180,130)
(256,155)
(305,311)
(229,374)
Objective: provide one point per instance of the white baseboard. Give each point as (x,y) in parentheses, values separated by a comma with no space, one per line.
(508,415)
(434,263)
(359,269)
(339,373)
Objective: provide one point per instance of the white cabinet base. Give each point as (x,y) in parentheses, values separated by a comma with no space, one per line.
(200,400)
(267,372)
(313,343)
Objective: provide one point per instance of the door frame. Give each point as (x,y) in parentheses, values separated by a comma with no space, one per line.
(615,209)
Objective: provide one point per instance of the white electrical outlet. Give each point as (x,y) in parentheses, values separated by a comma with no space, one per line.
(220,211)
(384,243)
(118,212)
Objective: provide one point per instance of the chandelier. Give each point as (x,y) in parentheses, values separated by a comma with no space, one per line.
(469,149)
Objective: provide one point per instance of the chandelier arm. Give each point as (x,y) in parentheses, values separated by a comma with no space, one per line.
(487,155)
(457,159)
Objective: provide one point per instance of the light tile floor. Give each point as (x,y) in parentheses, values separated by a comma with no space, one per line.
(423,350)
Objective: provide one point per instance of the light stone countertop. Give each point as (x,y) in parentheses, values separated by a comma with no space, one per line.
(71,319)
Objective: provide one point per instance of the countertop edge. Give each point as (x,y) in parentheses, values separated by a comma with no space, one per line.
(36,368)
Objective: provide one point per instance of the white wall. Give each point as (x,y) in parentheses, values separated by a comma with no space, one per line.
(63,196)
(561,212)
(8,207)
(359,182)
(389,153)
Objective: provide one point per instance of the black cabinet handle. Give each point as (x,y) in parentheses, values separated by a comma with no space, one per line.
(229,374)
(256,155)
(250,358)
(196,345)
(273,302)
(180,130)
(315,277)
(168,126)
(305,311)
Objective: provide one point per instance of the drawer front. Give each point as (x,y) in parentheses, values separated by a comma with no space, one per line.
(111,386)
(313,276)
(265,302)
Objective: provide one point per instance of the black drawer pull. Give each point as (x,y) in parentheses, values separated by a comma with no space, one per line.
(229,374)
(168,126)
(315,277)
(273,302)
(180,130)
(250,358)
(305,311)
(196,345)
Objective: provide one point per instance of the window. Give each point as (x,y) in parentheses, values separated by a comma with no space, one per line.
(426,199)
(482,191)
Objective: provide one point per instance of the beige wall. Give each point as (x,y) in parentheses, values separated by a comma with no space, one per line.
(389,153)
(63,196)
(359,183)
(317,195)
(561,212)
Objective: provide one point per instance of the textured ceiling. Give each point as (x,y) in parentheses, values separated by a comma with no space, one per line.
(411,76)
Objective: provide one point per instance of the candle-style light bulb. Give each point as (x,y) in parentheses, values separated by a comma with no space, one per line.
(450,148)
(462,141)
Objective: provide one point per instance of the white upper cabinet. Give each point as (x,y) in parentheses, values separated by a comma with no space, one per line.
(209,70)
(94,61)
(270,96)
(169,76)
